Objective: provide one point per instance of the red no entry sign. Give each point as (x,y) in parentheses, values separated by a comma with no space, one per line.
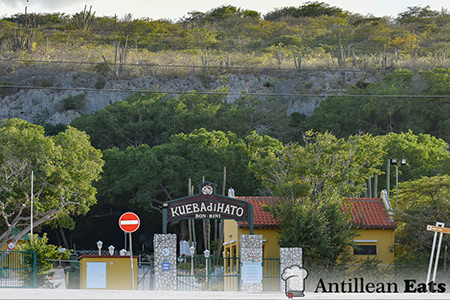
(129,222)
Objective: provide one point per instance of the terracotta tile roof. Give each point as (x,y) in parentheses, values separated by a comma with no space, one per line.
(261,218)
(370,213)
(366,213)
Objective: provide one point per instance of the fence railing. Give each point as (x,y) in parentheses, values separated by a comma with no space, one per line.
(18,269)
(271,274)
(211,274)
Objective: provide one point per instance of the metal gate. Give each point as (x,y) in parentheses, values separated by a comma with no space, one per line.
(146,276)
(271,274)
(208,274)
(18,269)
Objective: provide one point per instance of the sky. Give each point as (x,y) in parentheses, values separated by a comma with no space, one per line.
(176,9)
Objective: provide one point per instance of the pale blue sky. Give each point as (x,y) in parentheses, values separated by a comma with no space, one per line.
(174,9)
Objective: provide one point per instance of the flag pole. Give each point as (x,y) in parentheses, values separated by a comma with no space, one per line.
(32,196)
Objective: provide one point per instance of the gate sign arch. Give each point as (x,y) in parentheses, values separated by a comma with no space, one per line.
(207,205)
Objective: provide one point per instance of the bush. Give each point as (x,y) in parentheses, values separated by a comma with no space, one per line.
(76,102)
(46,255)
(100,83)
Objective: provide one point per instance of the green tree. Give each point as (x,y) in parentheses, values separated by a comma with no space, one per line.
(46,255)
(425,154)
(64,166)
(153,118)
(328,166)
(322,230)
(311,182)
(371,111)
(422,202)
(143,178)
(310,9)
(147,176)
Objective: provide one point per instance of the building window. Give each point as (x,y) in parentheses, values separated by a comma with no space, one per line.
(365,250)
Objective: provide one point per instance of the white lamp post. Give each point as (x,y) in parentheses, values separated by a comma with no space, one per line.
(192,251)
(206,254)
(394,162)
(99,246)
(111,250)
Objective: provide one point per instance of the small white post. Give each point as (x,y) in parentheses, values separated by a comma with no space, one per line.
(437,256)
(438,224)
(131,260)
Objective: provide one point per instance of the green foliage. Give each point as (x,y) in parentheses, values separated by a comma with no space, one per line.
(418,34)
(425,154)
(147,176)
(46,255)
(64,166)
(102,68)
(100,83)
(54,129)
(381,114)
(331,168)
(321,229)
(309,9)
(422,202)
(413,13)
(77,102)
(152,118)
(311,182)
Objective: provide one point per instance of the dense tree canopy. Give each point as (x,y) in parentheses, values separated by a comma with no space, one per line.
(145,176)
(311,181)
(423,202)
(153,118)
(374,109)
(64,166)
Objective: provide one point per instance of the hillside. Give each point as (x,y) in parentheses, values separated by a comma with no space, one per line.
(314,35)
(56,67)
(58,98)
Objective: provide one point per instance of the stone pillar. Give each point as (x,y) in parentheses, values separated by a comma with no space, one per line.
(251,256)
(165,262)
(289,257)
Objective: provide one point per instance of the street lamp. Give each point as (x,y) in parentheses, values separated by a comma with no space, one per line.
(206,254)
(99,246)
(394,162)
(111,250)
(192,251)
(123,252)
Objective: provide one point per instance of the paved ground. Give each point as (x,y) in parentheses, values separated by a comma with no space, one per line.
(129,295)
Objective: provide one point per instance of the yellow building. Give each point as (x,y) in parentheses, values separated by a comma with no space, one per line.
(375,240)
(19,243)
(107,272)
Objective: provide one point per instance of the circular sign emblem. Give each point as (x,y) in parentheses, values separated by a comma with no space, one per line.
(11,246)
(129,222)
(207,190)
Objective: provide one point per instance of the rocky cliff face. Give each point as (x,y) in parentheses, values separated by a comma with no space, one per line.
(65,96)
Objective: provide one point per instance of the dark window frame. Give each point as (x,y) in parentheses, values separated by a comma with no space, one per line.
(365,250)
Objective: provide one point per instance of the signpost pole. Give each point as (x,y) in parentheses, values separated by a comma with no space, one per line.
(131,261)
(437,257)
(165,205)
(250,218)
(438,228)
(431,258)
(129,222)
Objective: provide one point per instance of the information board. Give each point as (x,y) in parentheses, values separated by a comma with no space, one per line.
(252,272)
